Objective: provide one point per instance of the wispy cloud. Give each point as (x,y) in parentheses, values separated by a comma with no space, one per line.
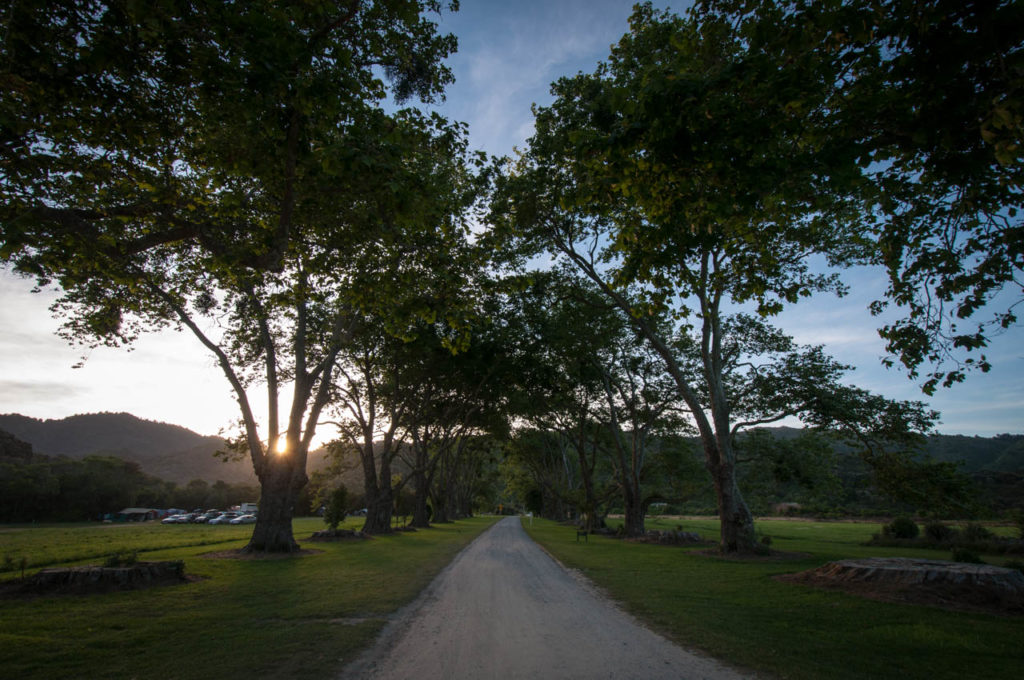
(510,53)
(40,390)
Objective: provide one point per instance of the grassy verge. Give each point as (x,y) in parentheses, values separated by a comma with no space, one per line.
(277,618)
(736,611)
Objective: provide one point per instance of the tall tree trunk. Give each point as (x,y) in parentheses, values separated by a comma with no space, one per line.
(379,512)
(737,523)
(281,482)
(589,506)
(440,508)
(380,505)
(422,478)
(421,494)
(634,520)
(376,491)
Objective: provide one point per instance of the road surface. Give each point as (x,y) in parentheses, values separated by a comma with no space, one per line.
(504,609)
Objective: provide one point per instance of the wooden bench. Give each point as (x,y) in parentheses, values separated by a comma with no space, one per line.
(584,533)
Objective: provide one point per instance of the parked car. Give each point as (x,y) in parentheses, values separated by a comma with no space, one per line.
(206,516)
(171,519)
(244,519)
(223,518)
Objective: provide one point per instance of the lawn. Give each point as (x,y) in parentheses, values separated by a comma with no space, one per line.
(272,618)
(736,612)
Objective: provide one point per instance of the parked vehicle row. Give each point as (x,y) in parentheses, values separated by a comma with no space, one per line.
(211,517)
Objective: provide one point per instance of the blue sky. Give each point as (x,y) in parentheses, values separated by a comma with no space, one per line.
(509,53)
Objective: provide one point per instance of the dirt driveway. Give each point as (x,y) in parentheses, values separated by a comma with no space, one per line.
(505,609)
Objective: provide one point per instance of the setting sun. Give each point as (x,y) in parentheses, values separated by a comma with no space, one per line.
(281,447)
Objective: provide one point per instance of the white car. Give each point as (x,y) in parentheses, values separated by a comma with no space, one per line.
(244,519)
(224,518)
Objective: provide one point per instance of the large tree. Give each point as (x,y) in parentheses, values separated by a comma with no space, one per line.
(929,97)
(226,169)
(687,176)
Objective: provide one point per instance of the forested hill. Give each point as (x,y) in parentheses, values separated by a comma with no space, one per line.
(1002,453)
(167,451)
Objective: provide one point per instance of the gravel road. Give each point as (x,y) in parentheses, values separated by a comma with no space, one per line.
(505,609)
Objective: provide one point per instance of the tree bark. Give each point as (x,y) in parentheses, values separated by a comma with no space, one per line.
(634,510)
(440,509)
(280,483)
(737,524)
(420,507)
(377,491)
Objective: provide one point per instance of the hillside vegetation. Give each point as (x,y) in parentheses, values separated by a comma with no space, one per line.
(170,452)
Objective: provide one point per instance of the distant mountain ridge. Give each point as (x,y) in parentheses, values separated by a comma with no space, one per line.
(177,454)
(80,435)
(171,452)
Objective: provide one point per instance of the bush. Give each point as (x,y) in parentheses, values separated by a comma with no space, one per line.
(939,532)
(974,533)
(967,555)
(334,512)
(122,560)
(1017,517)
(901,527)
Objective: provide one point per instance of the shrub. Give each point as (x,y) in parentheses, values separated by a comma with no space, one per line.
(122,560)
(1017,516)
(974,532)
(334,512)
(967,555)
(901,527)
(939,532)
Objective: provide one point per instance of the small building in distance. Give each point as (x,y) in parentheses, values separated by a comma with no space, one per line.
(135,515)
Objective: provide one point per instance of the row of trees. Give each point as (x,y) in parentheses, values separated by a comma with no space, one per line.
(236,173)
(717,161)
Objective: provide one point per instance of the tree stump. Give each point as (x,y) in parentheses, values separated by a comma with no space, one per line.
(95,578)
(955,585)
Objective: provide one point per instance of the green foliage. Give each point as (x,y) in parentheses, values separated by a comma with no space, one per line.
(966,555)
(937,532)
(972,538)
(1018,519)
(801,469)
(925,100)
(122,559)
(336,507)
(690,172)
(901,527)
(167,167)
(974,532)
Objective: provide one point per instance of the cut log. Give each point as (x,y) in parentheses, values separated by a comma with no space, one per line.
(951,585)
(907,571)
(87,578)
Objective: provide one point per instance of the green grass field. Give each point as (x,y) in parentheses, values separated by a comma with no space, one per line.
(736,611)
(308,616)
(275,618)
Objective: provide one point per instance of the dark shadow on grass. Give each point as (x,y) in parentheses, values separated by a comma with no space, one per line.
(240,555)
